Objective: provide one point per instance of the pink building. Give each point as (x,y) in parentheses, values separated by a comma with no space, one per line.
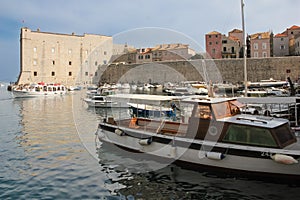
(213,44)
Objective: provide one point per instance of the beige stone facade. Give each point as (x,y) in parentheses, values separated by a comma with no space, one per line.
(62,58)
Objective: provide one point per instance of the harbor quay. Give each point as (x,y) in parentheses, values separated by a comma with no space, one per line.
(216,70)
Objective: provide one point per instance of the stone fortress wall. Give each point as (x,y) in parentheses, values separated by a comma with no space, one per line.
(217,70)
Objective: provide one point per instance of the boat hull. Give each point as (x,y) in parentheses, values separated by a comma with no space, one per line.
(28,94)
(184,150)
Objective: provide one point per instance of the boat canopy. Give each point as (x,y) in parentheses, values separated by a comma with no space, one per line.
(144,98)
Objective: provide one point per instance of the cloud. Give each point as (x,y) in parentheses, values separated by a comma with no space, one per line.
(193,18)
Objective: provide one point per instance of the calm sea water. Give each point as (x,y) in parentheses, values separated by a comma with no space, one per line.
(48,150)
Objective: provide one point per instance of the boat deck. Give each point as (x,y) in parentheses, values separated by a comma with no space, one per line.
(154,126)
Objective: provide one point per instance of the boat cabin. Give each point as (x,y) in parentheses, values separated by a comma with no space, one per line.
(220,120)
(216,120)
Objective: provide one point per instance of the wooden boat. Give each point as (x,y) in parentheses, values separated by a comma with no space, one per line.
(212,134)
(39,89)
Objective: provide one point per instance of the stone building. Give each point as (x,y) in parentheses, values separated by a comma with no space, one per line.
(291,33)
(260,45)
(280,45)
(221,46)
(62,58)
(213,43)
(297,45)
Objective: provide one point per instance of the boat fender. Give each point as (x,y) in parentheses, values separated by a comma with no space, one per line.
(119,132)
(284,159)
(215,155)
(146,141)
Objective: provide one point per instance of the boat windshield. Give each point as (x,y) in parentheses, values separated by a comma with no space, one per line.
(284,135)
(226,109)
(249,135)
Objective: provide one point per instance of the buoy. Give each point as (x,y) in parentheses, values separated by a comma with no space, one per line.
(284,159)
(146,141)
(119,132)
(215,155)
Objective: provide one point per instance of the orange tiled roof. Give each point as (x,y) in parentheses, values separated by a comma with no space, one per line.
(281,35)
(170,46)
(236,31)
(213,33)
(294,27)
(234,38)
(263,35)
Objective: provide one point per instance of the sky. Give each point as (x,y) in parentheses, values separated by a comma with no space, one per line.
(137,22)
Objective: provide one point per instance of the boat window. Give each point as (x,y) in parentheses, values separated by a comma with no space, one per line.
(284,135)
(249,135)
(203,112)
(235,107)
(221,110)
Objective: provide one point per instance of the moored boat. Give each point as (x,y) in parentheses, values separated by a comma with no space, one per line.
(39,89)
(213,134)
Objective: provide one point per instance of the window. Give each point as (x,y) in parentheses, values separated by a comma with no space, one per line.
(255,45)
(34,49)
(213,51)
(282,47)
(209,36)
(221,110)
(281,135)
(265,54)
(34,73)
(104,62)
(52,73)
(232,49)
(53,50)
(70,63)
(70,73)
(34,62)
(224,41)
(96,63)
(147,56)
(105,53)
(264,45)
(53,62)
(255,54)
(249,135)
(203,112)
(224,49)
(86,73)
(70,51)
(210,43)
(217,42)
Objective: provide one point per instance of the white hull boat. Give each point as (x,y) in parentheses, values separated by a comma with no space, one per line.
(40,89)
(215,135)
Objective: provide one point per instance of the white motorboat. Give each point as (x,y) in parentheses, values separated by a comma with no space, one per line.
(102,100)
(39,89)
(213,134)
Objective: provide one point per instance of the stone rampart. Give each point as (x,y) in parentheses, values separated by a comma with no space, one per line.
(222,70)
